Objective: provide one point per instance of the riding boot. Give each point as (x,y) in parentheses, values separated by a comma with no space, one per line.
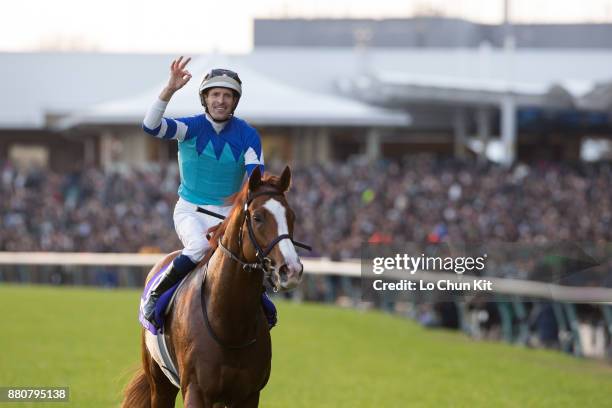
(181,266)
(269,309)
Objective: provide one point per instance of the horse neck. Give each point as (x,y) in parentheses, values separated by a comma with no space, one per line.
(232,294)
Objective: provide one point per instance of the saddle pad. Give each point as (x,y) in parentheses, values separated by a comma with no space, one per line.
(158,349)
(156,340)
(161,309)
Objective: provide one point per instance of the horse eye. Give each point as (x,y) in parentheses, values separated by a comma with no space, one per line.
(257,218)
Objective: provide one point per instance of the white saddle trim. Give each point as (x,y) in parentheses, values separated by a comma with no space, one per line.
(157,347)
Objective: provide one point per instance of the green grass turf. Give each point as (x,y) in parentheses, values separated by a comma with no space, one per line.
(322,357)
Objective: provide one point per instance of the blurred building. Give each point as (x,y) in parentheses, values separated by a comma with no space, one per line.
(425,32)
(328,89)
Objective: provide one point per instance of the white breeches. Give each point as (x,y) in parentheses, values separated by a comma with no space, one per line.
(191,227)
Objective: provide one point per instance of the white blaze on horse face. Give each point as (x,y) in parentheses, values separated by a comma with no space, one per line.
(285,245)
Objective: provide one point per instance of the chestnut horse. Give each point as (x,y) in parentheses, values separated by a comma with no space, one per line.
(217,332)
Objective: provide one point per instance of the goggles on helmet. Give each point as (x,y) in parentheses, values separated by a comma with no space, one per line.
(221,78)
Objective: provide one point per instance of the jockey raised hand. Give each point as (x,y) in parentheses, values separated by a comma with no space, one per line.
(179,76)
(216,151)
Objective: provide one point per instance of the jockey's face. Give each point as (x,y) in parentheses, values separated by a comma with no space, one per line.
(220,103)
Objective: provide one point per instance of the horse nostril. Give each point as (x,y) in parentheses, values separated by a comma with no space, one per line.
(283,272)
(283,268)
(287,272)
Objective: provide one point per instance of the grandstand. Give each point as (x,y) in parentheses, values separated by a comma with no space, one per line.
(452,99)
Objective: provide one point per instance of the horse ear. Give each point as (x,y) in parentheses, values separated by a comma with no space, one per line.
(255,179)
(285,179)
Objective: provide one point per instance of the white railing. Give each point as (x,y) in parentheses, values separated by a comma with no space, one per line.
(320,267)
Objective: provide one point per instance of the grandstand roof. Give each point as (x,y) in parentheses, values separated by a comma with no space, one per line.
(49,85)
(265,101)
(455,76)
(36,85)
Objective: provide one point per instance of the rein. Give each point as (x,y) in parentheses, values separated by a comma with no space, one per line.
(222,217)
(209,326)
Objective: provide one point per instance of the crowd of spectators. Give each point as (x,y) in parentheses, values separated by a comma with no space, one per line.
(92,210)
(339,205)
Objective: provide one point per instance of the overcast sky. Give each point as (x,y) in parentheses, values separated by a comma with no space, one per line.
(197,26)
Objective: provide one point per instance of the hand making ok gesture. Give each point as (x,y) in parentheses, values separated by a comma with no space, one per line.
(179,76)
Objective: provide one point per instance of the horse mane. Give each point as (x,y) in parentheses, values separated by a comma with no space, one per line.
(237,200)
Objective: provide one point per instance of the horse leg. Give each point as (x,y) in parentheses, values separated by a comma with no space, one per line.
(192,398)
(163,392)
(251,402)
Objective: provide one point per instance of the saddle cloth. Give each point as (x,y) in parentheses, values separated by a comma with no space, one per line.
(162,307)
(155,340)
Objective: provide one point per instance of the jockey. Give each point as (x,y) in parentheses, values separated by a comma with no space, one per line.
(216,151)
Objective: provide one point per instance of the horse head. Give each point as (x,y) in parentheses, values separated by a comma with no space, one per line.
(266,234)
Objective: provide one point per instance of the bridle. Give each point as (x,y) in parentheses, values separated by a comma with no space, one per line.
(263,262)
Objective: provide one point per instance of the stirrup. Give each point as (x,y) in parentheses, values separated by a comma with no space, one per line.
(148,309)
